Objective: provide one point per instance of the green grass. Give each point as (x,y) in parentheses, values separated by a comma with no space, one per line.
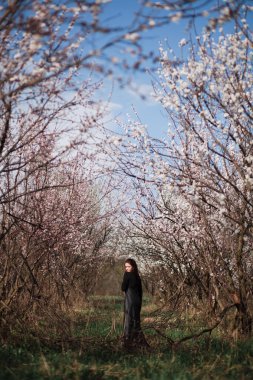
(93,351)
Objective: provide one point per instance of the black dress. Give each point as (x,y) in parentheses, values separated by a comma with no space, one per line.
(132,287)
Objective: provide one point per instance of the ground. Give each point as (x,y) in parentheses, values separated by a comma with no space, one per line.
(90,348)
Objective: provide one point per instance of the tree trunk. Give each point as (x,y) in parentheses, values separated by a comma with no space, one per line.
(243,319)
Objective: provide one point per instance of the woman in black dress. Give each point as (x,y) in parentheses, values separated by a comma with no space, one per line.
(132,287)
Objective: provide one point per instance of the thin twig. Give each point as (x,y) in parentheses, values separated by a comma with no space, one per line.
(200,333)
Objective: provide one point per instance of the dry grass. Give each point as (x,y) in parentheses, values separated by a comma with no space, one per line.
(92,349)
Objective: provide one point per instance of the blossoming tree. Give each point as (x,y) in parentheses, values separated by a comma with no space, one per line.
(193,202)
(47,108)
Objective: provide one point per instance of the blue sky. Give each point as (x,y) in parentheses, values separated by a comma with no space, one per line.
(149,111)
(122,101)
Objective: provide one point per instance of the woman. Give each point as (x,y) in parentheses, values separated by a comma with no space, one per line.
(132,287)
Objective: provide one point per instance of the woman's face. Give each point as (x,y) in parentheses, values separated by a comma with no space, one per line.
(128,267)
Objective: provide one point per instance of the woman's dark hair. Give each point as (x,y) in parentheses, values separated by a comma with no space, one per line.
(132,262)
